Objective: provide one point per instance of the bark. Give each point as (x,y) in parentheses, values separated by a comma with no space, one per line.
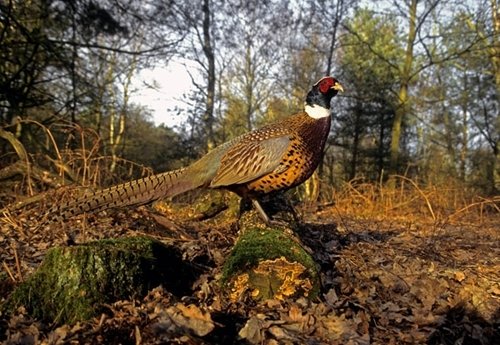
(122,116)
(208,50)
(495,57)
(338,14)
(112,120)
(381,148)
(249,76)
(465,138)
(402,107)
(355,144)
(495,47)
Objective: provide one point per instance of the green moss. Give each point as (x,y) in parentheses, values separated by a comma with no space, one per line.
(205,204)
(73,282)
(258,244)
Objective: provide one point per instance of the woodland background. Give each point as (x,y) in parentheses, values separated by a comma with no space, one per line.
(402,217)
(422,80)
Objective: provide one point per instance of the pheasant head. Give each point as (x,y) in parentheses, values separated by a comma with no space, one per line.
(319,97)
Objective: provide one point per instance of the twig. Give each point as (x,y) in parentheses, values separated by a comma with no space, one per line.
(18,264)
(9,272)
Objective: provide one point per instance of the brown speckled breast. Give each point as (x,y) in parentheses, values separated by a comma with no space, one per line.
(304,153)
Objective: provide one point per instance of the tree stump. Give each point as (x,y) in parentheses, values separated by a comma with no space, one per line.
(73,283)
(269,263)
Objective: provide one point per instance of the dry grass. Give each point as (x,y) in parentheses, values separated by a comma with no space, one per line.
(439,204)
(59,164)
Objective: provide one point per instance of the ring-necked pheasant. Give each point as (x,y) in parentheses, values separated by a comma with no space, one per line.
(273,158)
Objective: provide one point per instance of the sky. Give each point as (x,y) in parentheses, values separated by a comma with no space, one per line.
(171,83)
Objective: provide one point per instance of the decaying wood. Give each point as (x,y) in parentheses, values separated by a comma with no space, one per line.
(74,283)
(269,262)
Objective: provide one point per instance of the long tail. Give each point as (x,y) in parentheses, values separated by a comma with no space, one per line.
(137,192)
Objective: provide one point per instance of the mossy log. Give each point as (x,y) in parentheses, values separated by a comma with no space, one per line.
(269,263)
(202,205)
(73,283)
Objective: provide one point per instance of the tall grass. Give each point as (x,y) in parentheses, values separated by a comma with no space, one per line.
(448,203)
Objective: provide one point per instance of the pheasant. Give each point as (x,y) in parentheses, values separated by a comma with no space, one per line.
(275,157)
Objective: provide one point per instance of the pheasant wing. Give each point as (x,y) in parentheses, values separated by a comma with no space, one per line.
(249,160)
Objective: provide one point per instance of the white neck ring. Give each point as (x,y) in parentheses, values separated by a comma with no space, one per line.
(317,111)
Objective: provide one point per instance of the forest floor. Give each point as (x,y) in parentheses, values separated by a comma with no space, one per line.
(385,280)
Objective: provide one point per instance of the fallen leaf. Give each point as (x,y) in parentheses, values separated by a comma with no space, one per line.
(279,333)
(252,331)
(295,314)
(191,317)
(58,335)
(495,289)
(459,276)
(331,297)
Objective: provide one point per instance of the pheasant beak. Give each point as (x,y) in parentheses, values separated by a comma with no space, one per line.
(337,87)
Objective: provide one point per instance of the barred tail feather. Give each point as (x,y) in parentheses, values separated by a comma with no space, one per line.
(137,192)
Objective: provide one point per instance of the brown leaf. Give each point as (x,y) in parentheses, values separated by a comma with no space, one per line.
(459,276)
(58,335)
(191,317)
(331,297)
(252,331)
(279,333)
(295,314)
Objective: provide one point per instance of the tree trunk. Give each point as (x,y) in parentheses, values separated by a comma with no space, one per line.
(355,145)
(331,48)
(118,141)
(380,148)
(495,46)
(208,50)
(249,76)
(465,137)
(495,57)
(402,107)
